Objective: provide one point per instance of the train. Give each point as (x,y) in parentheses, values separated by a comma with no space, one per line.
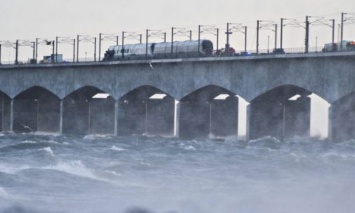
(177,49)
(340,46)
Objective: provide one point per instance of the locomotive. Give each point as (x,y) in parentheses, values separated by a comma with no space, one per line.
(177,49)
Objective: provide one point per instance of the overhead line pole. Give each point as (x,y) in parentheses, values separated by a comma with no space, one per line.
(281,33)
(342,31)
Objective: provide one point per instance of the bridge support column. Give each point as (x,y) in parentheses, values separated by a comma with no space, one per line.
(342,119)
(177,119)
(61,110)
(330,124)
(248,118)
(12,115)
(5,112)
(115,117)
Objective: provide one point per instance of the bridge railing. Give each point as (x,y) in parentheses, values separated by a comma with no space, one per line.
(238,53)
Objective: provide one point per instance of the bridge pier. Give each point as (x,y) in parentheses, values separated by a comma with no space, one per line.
(342,118)
(5,114)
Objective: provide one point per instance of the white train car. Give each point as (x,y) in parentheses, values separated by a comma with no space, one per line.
(160,50)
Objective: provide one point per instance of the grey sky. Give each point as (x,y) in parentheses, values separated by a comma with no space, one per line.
(25,19)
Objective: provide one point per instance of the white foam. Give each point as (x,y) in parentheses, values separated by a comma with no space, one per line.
(29,142)
(191,148)
(75,168)
(118,149)
(49,151)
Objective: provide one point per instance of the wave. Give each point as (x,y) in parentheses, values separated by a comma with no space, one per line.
(118,149)
(48,150)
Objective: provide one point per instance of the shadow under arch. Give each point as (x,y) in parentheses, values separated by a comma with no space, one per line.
(146,110)
(280,113)
(210,111)
(343,118)
(5,114)
(36,109)
(88,110)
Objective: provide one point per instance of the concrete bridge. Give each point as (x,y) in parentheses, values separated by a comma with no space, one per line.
(61,97)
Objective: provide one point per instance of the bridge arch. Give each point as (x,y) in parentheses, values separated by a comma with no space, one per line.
(36,109)
(146,110)
(88,110)
(210,111)
(284,112)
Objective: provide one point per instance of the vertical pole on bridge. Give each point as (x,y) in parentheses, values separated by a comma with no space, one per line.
(116,40)
(33,53)
(99,46)
(74,50)
(307,35)
(199,37)
(16,54)
(95,49)
(164,37)
(245,39)
(146,43)
(0,53)
(333,33)
(172,42)
(257,36)
(190,35)
(56,49)
(217,35)
(281,32)
(341,31)
(36,49)
(77,48)
(122,49)
(275,36)
(140,38)
(227,43)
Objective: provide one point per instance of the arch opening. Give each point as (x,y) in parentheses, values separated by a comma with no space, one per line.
(146,110)
(343,118)
(210,111)
(88,110)
(288,111)
(36,110)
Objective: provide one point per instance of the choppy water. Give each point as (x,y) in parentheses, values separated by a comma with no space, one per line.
(164,175)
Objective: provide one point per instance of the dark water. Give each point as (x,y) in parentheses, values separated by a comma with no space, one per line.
(165,175)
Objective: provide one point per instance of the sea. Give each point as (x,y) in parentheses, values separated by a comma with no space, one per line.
(144,174)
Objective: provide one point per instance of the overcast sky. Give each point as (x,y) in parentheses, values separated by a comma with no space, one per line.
(30,19)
